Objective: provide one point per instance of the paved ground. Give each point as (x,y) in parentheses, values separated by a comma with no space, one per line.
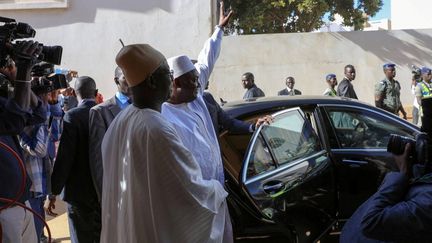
(59,225)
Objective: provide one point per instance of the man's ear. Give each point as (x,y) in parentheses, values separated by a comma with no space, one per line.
(116,81)
(177,83)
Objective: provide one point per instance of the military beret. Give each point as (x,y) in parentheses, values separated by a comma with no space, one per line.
(330,76)
(425,70)
(389,65)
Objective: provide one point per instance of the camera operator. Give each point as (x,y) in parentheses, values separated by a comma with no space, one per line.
(16,110)
(401,209)
(22,109)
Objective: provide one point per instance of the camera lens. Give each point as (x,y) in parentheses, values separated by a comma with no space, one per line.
(396,144)
(52,54)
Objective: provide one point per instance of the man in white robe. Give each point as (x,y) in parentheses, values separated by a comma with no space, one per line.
(188,113)
(153,190)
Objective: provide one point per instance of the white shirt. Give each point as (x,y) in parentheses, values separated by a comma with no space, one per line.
(192,120)
(194,126)
(153,189)
(415,103)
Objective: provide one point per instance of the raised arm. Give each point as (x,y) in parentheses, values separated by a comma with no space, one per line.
(210,52)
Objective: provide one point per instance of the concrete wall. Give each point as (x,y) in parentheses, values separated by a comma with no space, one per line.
(89,31)
(411,14)
(310,56)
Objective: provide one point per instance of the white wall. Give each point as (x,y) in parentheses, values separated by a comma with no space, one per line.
(89,31)
(310,56)
(411,14)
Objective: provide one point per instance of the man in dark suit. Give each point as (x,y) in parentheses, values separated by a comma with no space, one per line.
(222,121)
(101,117)
(71,168)
(289,90)
(248,82)
(345,88)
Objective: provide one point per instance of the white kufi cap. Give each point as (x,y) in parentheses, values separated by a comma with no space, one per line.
(180,65)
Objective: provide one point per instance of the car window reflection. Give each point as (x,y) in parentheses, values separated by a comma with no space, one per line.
(260,160)
(290,137)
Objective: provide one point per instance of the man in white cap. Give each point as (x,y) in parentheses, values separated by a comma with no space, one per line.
(187,111)
(153,190)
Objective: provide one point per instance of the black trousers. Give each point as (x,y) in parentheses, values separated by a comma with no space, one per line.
(84,222)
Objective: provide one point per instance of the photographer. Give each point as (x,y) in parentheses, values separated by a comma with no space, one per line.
(401,210)
(22,109)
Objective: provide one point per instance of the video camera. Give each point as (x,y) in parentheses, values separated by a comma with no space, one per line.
(45,80)
(12,30)
(421,146)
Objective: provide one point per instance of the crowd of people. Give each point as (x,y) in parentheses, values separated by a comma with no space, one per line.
(147,172)
(387,91)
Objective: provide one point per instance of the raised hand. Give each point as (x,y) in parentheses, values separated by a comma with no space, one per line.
(224,19)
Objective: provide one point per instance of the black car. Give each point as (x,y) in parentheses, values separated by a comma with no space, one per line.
(299,178)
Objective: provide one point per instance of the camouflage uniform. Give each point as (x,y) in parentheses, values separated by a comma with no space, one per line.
(391,93)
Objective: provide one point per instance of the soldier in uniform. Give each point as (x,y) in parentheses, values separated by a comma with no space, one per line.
(332,82)
(387,92)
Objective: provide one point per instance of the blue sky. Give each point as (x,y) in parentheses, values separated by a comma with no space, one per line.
(385,12)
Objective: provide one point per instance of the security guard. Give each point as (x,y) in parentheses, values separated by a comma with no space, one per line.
(423,88)
(332,82)
(387,92)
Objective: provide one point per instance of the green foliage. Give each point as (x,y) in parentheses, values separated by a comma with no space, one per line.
(280,16)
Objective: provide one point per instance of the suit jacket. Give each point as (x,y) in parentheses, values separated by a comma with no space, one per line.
(71,168)
(221,120)
(346,89)
(285,92)
(253,92)
(101,117)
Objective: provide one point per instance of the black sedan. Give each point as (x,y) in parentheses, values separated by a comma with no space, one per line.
(299,178)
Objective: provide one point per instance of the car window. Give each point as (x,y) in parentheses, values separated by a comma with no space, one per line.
(288,138)
(260,160)
(291,137)
(363,129)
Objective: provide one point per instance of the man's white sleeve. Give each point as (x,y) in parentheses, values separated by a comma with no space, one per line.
(208,56)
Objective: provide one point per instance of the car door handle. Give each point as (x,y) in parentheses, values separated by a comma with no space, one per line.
(273,188)
(357,162)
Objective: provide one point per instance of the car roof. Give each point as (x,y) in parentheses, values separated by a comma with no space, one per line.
(238,109)
(250,106)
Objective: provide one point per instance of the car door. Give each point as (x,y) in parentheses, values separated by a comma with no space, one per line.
(358,139)
(288,176)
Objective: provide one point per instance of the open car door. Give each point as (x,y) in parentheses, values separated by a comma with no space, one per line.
(287,174)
